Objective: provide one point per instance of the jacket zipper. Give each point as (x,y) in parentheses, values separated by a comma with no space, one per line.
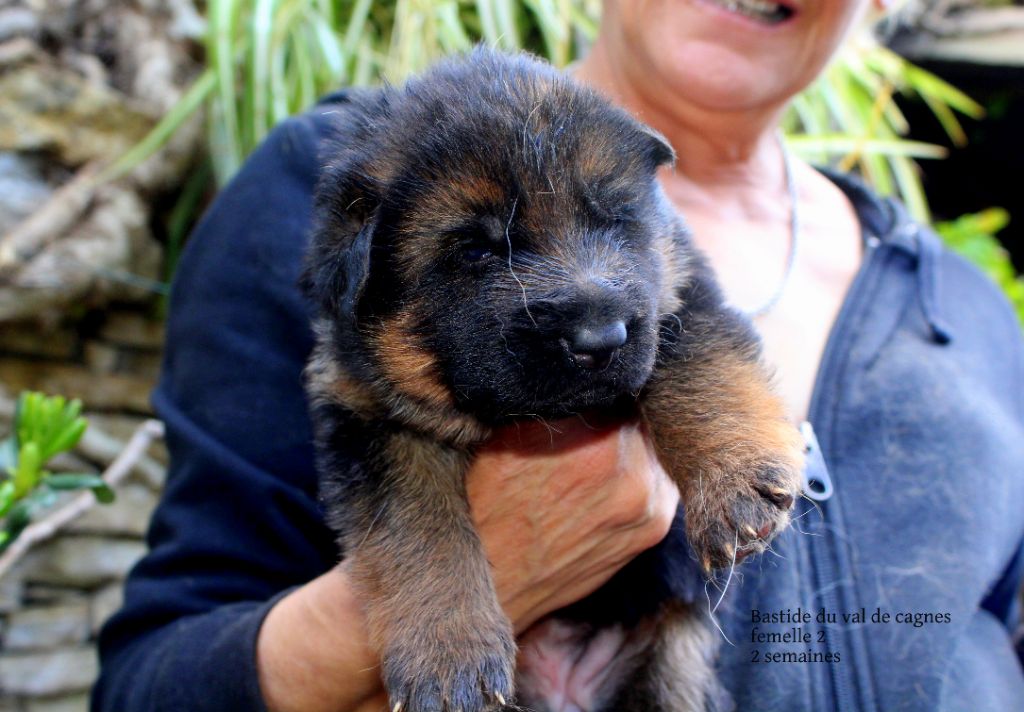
(843,679)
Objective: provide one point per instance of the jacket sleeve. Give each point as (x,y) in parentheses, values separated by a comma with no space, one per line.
(238,523)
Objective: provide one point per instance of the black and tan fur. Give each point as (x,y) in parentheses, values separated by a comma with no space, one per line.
(470,225)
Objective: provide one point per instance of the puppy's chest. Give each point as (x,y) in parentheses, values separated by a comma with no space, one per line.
(563,668)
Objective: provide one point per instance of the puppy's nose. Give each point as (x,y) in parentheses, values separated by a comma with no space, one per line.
(593,345)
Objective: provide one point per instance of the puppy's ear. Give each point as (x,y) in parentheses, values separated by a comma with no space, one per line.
(338,261)
(656,148)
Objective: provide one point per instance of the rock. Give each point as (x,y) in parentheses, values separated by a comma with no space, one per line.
(152,472)
(187,23)
(23,188)
(78,702)
(109,254)
(70,462)
(48,627)
(11,591)
(17,22)
(105,603)
(45,107)
(41,594)
(101,358)
(133,329)
(54,672)
(34,340)
(107,358)
(82,561)
(17,51)
(137,362)
(115,425)
(81,82)
(127,515)
(117,392)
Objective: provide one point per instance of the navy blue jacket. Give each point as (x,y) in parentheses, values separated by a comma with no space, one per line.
(917,408)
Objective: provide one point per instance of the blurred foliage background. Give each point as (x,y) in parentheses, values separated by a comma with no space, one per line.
(268,59)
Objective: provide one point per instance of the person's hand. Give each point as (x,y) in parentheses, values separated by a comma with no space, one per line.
(559,510)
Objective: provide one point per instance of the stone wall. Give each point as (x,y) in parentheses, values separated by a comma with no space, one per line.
(81,81)
(56,598)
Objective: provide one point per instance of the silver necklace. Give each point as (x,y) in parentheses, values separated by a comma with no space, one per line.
(794,236)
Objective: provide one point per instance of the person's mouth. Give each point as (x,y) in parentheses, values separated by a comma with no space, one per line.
(762,11)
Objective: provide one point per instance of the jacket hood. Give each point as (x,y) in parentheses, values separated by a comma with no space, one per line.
(889,221)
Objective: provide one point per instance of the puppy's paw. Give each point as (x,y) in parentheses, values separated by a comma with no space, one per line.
(434,675)
(732,515)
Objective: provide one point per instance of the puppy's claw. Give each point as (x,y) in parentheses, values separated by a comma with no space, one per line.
(749,532)
(397,707)
(783,497)
(730,553)
(500,698)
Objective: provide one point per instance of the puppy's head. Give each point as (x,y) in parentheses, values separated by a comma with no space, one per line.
(493,237)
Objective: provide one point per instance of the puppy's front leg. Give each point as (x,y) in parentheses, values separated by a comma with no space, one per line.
(719,429)
(445,643)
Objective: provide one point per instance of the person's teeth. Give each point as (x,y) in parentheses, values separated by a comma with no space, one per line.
(757,9)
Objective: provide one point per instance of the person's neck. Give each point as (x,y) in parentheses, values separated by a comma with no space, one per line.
(723,159)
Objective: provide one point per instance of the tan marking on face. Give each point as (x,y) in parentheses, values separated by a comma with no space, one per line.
(445,208)
(328,380)
(476,190)
(407,363)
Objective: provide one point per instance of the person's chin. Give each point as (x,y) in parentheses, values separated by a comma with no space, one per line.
(720,76)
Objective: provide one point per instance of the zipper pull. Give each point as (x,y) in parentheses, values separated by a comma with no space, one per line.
(817,483)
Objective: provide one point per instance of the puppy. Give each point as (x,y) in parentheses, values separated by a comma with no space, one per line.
(492,245)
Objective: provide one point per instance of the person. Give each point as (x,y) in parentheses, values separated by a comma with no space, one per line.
(906,361)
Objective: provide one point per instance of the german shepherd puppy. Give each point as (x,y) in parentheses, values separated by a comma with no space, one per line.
(491,246)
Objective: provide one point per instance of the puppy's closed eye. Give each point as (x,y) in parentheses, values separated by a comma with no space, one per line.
(605,211)
(479,240)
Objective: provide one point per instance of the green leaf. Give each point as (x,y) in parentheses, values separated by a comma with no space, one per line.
(27,473)
(841,144)
(22,513)
(452,34)
(223,19)
(160,134)
(74,480)
(259,84)
(356,25)
(82,480)
(911,190)
(8,455)
(66,439)
(103,493)
(974,237)
(6,496)
(489,23)
(52,423)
